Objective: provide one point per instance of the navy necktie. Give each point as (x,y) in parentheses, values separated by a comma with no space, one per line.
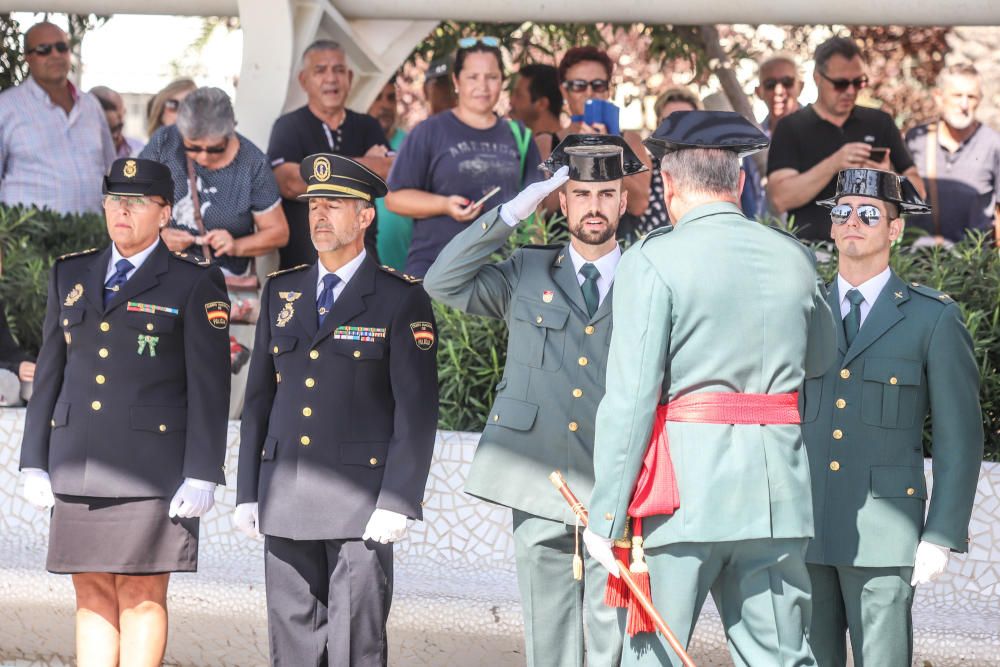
(115,282)
(852,321)
(325,301)
(591,295)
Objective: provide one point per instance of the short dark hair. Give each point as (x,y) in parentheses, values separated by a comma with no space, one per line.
(478,47)
(836,46)
(543,81)
(579,54)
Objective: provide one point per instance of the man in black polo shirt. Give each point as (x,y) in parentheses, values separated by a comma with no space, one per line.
(323,125)
(811,146)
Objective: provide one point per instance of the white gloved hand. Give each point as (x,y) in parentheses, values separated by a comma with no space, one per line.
(245,518)
(527,200)
(930,563)
(193,499)
(385,527)
(599,549)
(38,488)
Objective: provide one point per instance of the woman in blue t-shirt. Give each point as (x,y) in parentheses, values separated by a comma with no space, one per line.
(452,159)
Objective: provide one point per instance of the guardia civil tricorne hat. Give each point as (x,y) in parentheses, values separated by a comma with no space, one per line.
(594,158)
(878,184)
(725,130)
(135,177)
(338,177)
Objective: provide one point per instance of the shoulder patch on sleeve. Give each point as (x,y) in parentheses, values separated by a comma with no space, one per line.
(406,277)
(283,271)
(79,253)
(931,293)
(192,258)
(659,231)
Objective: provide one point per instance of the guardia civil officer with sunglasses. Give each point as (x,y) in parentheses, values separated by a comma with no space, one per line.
(903,351)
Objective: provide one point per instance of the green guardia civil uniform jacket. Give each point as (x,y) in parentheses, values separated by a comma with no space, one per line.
(718,304)
(863,423)
(543,416)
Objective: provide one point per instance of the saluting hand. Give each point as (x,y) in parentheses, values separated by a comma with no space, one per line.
(529,199)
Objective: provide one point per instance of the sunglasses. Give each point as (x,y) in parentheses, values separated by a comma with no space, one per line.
(868,214)
(840,85)
(211,150)
(785,81)
(46,49)
(580,85)
(172,105)
(469,42)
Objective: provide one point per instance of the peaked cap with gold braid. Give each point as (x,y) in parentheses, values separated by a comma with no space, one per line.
(335,176)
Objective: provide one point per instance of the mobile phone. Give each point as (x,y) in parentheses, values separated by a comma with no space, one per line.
(486,197)
(604,112)
(878,154)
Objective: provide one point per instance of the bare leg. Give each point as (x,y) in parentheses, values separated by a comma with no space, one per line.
(96,620)
(142,603)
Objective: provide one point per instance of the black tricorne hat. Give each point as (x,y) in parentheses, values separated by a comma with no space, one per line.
(878,184)
(725,130)
(335,176)
(135,177)
(594,158)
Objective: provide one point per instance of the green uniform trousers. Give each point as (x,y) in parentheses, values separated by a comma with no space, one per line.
(873,603)
(761,588)
(559,611)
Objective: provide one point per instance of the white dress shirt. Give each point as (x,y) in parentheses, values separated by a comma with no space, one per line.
(607,265)
(345,273)
(136,260)
(870,289)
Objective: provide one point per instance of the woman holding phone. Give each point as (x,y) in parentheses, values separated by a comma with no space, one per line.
(449,162)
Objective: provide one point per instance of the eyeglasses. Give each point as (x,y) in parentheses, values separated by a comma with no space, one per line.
(131,203)
(211,150)
(46,49)
(785,81)
(840,85)
(172,105)
(580,85)
(469,42)
(868,214)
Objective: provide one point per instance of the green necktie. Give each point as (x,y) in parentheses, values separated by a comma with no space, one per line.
(852,322)
(591,296)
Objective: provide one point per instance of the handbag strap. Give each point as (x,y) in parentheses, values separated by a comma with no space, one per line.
(930,168)
(193,189)
(522,141)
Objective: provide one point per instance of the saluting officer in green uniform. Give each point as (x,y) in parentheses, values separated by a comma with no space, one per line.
(902,351)
(716,312)
(556,301)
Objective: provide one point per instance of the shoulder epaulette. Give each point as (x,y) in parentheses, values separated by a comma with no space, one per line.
(80,253)
(659,231)
(413,280)
(191,257)
(931,293)
(282,271)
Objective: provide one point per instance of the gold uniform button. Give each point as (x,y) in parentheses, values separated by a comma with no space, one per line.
(100,379)
(314,354)
(103,353)
(844,373)
(277,378)
(307,412)
(305,440)
(577,393)
(608,516)
(52,422)
(275,349)
(893,380)
(163,428)
(589,330)
(573,426)
(834,466)
(96,405)
(357,354)
(373,461)
(837,434)
(583,361)
(841,403)
(105,327)
(910,491)
(310,382)
(149,326)
(484,225)
(65,322)
(538,319)
(496,418)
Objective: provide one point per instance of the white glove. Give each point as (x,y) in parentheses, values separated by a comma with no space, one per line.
(245,518)
(385,527)
(38,488)
(527,200)
(599,549)
(930,563)
(193,499)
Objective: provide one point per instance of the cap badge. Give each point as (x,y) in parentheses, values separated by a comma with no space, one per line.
(321,169)
(130,169)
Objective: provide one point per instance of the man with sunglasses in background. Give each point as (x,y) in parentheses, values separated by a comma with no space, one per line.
(779,86)
(812,145)
(903,351)
(46,110)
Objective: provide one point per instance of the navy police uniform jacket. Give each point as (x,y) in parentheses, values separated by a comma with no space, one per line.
(339,419)
(131,399)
